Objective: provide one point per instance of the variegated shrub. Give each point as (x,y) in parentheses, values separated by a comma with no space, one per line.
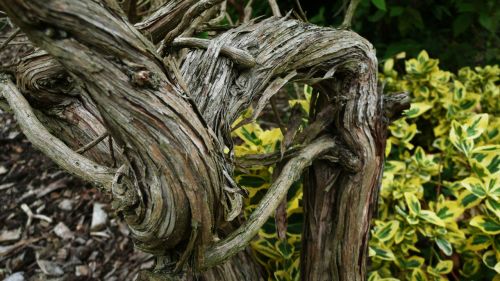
(439,205)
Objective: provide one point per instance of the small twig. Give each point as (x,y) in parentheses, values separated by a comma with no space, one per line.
(31,215)
(112,151)
(91,144)
(301,11)
(277,115)
(341,9)
(189,248)
(266,159)
(172,64)
(248,12)
(50,145)
(291,172)
(240,57)
(395,104)
(131,10)
(275,8)
(280,217)
(193,12)
(221,16)
(270,91)
(346,24)
(11,36)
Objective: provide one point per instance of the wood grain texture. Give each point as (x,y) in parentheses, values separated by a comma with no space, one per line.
(99,73)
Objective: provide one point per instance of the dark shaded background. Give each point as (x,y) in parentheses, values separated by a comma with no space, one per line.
(457,32)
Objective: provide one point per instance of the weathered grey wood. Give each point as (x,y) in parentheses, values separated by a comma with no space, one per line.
(169,139)
(51,146)
(343,66)
(290,173)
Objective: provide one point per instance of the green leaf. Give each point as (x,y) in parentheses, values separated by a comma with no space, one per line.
(443,267)
(478,242)
(490,259)
(381,253)
(475,186)
(461,23)
(380,4)
(413,203)
(493,186)
(417,109)
(470,267)
(385,231)
(468,200)
(411,262)
(388,65)
(418,275)
(487,22)
(445,246)
(476,125)
(431,217)
(486,224)
(494,206)
(286,250)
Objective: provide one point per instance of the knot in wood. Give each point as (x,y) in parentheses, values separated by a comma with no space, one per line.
(145,78)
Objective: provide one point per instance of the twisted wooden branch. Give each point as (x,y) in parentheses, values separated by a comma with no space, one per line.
(290,173)
(51,146)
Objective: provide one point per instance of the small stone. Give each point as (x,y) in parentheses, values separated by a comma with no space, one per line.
(63,231)
(10,235)
(18,276)
(66,205)
(81,270)
(82,252)
(3,170)
(99,217)
(50,268)
(62,254)
(22,260)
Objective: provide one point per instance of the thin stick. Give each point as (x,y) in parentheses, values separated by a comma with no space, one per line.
(92,143)
(50,145)
(11,36)
(300,10)
(240,57)
(131,9)
(248,12)
(277,115)
(192,13)
(291,172)
(346,24)
(275,8)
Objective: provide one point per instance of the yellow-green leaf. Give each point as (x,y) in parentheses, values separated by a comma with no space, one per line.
(431,217)
(475,186)
(418,275)
(385,231)
(381,253)
(478,242)
(476,125)
(486,224)
(490,260)
(468,200)
(416,109)
(444,245)
(413,203)
(410,262)
(443,267)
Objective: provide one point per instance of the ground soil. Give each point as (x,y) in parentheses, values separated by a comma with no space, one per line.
(37,246)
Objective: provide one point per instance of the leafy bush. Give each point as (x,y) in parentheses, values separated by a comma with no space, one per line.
(439,207)
(462,32)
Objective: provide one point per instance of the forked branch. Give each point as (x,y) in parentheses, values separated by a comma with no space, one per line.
(291,172)
(49,144)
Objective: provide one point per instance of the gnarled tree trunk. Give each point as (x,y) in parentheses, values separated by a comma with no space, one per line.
(96,76)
